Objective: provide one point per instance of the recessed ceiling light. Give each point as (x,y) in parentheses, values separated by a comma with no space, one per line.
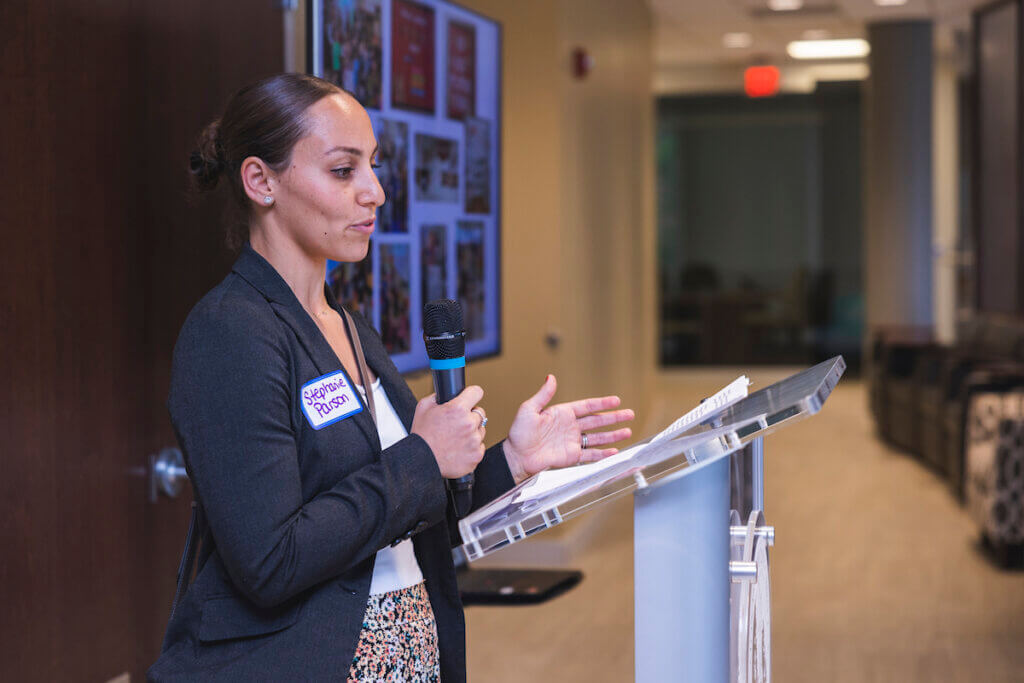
(890,3)
(785,5)
(816,34)
(737,39)
(828,49)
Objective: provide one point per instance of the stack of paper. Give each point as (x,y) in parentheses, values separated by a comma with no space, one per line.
(550,480)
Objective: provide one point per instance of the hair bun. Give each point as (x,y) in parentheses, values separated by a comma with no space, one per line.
(206,161)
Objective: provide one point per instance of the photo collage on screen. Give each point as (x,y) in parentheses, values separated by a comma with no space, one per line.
(352,48)
(418,68)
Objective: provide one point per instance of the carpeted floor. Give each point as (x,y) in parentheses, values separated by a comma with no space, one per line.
(876,571)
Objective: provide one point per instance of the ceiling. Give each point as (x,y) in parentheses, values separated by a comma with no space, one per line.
(689,33)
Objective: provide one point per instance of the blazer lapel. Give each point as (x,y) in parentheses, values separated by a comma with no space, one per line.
(261,275)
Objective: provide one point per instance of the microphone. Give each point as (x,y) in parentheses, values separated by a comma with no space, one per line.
(445,337)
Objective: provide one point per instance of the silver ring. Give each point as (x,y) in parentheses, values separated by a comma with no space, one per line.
(583,440)
(483,418)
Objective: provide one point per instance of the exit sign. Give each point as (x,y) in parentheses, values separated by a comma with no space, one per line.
(761,81)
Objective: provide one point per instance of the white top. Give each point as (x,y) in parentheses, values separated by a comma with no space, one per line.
(396,567)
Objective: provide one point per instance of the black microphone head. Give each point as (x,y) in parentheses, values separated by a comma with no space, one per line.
(443,330)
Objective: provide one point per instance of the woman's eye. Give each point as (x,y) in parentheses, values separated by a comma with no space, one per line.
(344,172)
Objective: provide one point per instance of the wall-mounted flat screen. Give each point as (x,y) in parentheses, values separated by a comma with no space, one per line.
(429,74)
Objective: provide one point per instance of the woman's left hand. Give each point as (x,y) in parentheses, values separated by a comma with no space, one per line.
(543,437)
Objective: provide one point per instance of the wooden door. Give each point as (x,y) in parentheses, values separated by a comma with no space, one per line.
(102,257)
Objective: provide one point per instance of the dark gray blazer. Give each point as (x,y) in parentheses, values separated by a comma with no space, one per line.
(295,515)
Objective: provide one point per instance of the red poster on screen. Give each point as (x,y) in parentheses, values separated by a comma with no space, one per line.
(461,71)
(412,56)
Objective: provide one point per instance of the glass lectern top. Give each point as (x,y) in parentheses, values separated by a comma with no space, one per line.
(722,424)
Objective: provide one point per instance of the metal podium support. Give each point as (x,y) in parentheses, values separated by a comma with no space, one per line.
(749,593)
(681,579)
(693,556)
(701,580)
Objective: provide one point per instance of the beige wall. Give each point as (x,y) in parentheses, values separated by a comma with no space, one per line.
(608,235)
(577,205)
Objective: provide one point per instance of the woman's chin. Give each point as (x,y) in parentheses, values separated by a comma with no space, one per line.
(351,252)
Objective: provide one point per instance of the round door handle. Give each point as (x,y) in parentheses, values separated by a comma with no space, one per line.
(167,474)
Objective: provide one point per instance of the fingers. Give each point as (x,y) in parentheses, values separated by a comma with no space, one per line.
(586,406)
(544,395)
(604,419)
(483,416)
(453,430)
(469,397)
(595,454)
(602,438)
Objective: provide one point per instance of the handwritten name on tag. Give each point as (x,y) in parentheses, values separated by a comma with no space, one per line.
(329,398)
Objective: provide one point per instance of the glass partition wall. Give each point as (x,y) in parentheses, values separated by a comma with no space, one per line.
(759,220)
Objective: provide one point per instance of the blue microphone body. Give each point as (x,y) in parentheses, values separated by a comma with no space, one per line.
(449,377)
(445,339)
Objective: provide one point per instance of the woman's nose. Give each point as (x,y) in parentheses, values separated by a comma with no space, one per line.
(373,193)
(381,197)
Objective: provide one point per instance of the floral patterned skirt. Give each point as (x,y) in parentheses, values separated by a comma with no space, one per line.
(399,639)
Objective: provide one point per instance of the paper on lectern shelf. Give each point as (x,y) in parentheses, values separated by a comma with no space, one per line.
(733,392)
(628,461)
(549,480)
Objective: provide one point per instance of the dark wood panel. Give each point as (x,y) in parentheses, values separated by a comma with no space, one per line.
(101,260)
(198,53)
(24,403)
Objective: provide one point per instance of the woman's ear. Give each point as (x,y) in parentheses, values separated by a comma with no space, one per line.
(256,176)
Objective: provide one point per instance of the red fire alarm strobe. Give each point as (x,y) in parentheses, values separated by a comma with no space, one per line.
(761,81)
(582,62)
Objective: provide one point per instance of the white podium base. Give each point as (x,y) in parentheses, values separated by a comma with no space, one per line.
(681,577)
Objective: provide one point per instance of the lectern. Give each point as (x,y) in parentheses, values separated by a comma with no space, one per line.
(700,539)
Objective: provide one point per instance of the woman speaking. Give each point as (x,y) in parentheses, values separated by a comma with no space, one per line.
(321,481)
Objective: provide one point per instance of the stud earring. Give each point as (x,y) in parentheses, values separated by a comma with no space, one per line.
(268,200)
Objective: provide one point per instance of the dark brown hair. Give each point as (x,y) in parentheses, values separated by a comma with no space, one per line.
(264,120)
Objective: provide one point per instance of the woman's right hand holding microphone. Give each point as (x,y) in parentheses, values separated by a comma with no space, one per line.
(453,430)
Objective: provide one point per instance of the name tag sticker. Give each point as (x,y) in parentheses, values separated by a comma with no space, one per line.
(329,398)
